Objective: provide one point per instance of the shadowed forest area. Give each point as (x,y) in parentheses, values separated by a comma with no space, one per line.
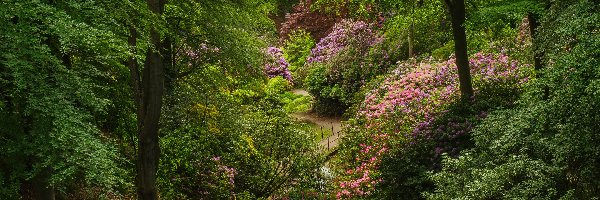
(299,99)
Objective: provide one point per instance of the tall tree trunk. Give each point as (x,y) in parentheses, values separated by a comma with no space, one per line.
(457,11)
(153,77)
(537,56)
(134,81)
(411,32)
(537,53)
(411,39)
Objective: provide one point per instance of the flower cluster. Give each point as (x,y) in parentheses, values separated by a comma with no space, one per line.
(230,172)
(524,36)
(193,56)
(405,105)
(276,64)
(343,34)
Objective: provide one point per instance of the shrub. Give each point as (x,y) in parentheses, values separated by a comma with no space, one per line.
(411,114)
(277,85)
(244,124)
(297,48)
(276,65)
(342,63)
(358,34)
(296,51)
(547,146)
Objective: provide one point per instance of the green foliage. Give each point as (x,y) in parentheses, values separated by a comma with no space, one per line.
(502,26)
(66,102)
(413,116)
(195,26)
(327,101)
(337,82)
(296,103)
(68,119)
(277,85)
(360,8)
(499,12)
(444,52)
(316,79)
(541,148)
(277,89)
(296,51)
(408,169)
(267,149)
(54,55)
(431,27)
(297,48)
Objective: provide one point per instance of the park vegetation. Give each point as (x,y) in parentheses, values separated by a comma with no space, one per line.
(191,99)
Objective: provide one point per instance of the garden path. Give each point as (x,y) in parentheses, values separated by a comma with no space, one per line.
(325,123)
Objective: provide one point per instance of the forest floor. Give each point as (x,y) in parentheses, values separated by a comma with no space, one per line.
(332,125)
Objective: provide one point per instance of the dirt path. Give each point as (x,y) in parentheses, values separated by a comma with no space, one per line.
(328,123)
(300,92)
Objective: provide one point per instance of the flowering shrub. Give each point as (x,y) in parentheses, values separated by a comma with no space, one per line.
(343,34)
(277,65)
(406,106)
(341,63)
(225,171)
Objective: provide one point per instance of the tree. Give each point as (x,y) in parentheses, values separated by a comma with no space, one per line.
(55,57)
(196,34)
(512,12)
(148,97)
(457,13)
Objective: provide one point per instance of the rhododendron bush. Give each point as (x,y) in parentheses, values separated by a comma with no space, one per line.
(351,55)
(357,34)
(276,64)
(406,106)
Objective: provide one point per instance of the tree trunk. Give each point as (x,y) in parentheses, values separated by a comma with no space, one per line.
(411,32)
(411,39)
(457,11)
(152,84)
(537,57)
(134,81)
(537,53)
(42,188)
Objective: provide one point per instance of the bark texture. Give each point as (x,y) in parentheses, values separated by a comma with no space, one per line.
(457,12)
(149,109)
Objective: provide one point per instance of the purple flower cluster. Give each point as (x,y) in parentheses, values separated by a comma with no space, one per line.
(191,56)
(230,172)
(343,34)
(276,64)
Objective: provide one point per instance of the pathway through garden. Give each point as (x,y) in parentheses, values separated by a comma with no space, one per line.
(333,124)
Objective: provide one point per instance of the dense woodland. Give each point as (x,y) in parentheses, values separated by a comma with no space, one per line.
(198,99)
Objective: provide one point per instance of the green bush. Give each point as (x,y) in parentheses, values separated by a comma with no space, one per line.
(336,83)
(216,146)
(296,103)
(277,85)
(327,98)
(297,48)
(296,51)
(444,52)
(546,147)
